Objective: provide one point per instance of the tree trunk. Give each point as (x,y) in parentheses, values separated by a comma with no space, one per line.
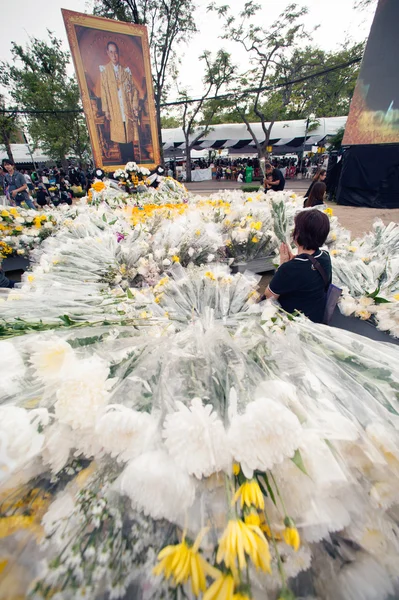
(64,162)
(188,161)
(7,144)
(158,115)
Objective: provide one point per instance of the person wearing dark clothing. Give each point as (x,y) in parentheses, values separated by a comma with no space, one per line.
(297,284)
(42,197)
(321,175)
(278,182)
(17,186)
(4,281)
(316,196)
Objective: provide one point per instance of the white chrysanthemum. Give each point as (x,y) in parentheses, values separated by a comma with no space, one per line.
(347,306)
(51,357)
(59,440)
(126,433)
(195,437)
(12,369)
(58,512)
(20,440)
(157,486)
(361,579)
(83,394)
(264,435)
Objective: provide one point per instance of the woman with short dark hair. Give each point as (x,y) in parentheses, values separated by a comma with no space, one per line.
(316,196)
(297,284)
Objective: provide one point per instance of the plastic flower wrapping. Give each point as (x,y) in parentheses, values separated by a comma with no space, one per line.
(164,435)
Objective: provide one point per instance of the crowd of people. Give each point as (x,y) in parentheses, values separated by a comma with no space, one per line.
(43,187)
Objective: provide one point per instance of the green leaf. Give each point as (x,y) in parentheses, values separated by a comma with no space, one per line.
(379,300)
(269,491)
(66,320)
(129,294)
(298,461)
(373,294)
(104,218)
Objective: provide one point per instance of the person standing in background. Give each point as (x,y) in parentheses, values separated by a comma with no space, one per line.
(321,176)
(17,186)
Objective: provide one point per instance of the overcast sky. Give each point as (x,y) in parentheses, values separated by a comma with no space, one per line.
(337,21)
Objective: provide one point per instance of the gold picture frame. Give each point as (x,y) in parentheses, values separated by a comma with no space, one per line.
(90,38)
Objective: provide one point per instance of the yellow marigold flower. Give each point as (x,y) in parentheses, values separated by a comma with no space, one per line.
(175,258)
(144,315)
(329,212)
(352,248)
(250,495)
(198,232)
(14,212)
(396,296)
(256,225)
(293,196)
(158,298)
(334,252)
(18,228)
(236,468)
(291,535)
(210,275)
(221,589)
(255,240)
(239,540)
(31,278)
(229,243)
(183,562)
(5,213)
(98,186)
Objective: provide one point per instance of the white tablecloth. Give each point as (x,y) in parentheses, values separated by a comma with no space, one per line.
(201,174)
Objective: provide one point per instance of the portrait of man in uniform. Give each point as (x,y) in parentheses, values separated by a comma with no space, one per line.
(113,69)
(120,104)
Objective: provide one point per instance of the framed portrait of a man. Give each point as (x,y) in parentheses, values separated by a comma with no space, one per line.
(112,64)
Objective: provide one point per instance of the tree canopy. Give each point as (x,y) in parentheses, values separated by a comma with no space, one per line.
(169,23)
(37,80)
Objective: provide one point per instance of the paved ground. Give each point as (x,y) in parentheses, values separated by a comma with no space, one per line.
(357,220)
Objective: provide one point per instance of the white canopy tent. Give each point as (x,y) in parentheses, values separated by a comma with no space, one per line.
(236,136)
(22,155)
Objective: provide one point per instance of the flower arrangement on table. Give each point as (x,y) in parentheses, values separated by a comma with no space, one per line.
(133,178)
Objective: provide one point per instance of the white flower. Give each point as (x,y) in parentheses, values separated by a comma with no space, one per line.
(211,257)
(82,394)
(126,433)
(12,369)
(365,301)
(157,486)
(62,508)
(166,262)
(264,435)
(59,441)
(269,312)
(195,437)
(48,225)
(347,306)
(191,252)
(52,357)
(20,440)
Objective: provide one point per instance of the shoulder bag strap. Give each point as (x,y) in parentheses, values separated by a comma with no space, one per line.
(320,269)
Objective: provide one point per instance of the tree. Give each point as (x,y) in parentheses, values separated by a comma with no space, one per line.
(8,128)
(169,23)
(197,116)
(267,47)
(37,80)
(169,122)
